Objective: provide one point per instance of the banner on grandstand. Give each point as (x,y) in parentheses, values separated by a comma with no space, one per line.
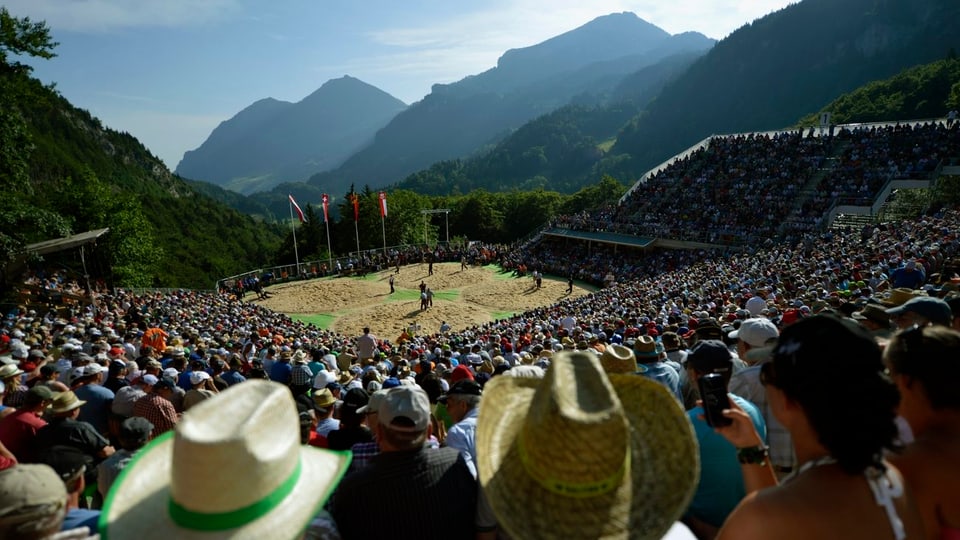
(355,201)
(296,207)
(326,207)
(383,204)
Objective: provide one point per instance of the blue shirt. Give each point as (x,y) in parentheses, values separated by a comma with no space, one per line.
(280,372)
(81,517)
(665,375)
(721,481)
(96,410)
(183,381)
(232,377)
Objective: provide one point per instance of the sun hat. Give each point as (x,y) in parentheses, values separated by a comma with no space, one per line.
(645,347)
(586,454)
(873,312)
(33,498)
(324,378)
(618,359)
(65,402)
(9,370)
(323,398)
(275,488)
(756,332)
(898,296)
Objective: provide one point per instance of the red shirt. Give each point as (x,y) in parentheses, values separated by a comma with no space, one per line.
(18,430)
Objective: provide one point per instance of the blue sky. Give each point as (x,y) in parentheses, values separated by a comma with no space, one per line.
(169,71)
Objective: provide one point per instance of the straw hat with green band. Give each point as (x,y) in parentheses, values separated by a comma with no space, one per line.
(233,468)
(584,454)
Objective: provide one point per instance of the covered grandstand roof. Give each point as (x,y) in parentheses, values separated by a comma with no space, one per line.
(67,242)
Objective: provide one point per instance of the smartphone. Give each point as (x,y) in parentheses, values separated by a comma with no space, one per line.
(713,393)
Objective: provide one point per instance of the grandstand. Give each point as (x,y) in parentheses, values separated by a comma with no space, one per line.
(752,189)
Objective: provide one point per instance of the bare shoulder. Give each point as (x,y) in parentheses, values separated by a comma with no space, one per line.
(762,514)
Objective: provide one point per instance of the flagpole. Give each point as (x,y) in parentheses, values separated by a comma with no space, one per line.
(293,228)
(356,233)
(383,229)
(329,247)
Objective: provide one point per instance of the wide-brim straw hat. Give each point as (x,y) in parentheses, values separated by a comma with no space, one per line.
(898,297)
(65,402)
(9,370)
(273,489)
(585,454)
(618,359)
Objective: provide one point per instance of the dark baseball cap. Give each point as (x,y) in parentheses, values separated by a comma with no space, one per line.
(463,387)
(710,356)
(136,429)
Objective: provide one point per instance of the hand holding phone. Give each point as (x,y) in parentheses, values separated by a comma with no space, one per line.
(713,394)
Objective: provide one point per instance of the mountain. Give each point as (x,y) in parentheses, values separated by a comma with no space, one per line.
(455,120)
(274,141)
(771,72)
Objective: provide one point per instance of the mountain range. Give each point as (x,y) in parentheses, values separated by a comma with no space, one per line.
(274,141)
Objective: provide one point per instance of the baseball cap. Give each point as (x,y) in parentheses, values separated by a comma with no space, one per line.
(40,392)
(92,369)
(756,332)
(935,310)
(710,356)
(373,405)
(355,399)
(33,497)
(464,387)
(136,429)
(324,378)
(390,382)
(165,382)
(150,380)
(197,377)
(405,408)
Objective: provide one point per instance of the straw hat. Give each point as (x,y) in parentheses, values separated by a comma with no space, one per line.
(65,402)
(618,359)
(344,360)
(645,347)
(586,455)
(898,297)
(274,487)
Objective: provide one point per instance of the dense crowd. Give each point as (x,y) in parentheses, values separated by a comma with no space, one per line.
(84,393)
(739,188)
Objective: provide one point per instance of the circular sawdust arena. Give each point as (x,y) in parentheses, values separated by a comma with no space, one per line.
(462,298)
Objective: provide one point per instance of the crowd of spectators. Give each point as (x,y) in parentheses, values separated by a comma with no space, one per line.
(739,189)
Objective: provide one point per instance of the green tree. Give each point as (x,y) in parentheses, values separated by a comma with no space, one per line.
(21,221)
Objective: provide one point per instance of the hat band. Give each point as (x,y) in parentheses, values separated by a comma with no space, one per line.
(221,521)
(576,490)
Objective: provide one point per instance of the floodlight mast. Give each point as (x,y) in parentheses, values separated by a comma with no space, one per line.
(445,212)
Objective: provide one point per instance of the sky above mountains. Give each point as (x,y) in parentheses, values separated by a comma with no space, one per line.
(170,71)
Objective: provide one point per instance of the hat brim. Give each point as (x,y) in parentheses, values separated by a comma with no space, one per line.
(138,503)
(75,405)
(664,466)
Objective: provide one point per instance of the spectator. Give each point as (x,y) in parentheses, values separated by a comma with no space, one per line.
(168,491)
(18,431)
(97,398)
(840,425)
(70,464)
(351,430)
(156,407)
(134,434)
(721,487)
(202,388)
(921,310)
(34,503)
(580,454)
(405,477)
(923,364)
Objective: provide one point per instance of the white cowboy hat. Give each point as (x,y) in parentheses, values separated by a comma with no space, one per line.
(585,454)
(233,468)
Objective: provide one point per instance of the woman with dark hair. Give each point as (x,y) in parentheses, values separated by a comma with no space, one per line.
(825,384)
(925,364)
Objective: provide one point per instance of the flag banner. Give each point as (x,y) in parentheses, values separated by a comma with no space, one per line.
(383,204)
(326,206)
(297,208)
(356,206)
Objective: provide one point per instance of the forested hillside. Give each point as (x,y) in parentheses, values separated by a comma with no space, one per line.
(63,172)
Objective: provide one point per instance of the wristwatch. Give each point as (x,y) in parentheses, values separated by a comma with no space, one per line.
(753,455)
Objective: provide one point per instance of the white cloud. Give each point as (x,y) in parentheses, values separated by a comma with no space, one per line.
(96,16)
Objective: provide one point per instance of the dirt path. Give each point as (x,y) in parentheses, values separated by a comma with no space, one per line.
(461,298)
